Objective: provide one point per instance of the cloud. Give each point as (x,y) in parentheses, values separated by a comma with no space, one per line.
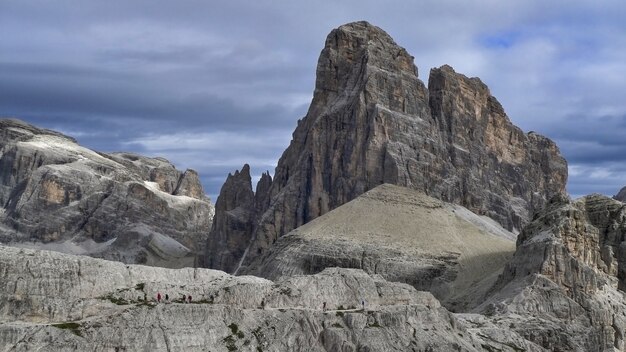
(213,84)
(214,154)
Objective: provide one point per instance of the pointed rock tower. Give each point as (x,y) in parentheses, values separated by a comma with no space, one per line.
(372,121)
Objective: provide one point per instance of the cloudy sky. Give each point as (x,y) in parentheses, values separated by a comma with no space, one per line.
(211,85)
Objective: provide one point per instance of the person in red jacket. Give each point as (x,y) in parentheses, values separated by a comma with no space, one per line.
(159,297)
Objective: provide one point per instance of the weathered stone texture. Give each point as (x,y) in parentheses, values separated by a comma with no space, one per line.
(56,194)
(568,274)
(56,302)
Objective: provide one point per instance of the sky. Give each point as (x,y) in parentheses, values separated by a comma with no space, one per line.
(211,85)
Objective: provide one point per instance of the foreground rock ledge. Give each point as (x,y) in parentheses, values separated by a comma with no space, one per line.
(56,302)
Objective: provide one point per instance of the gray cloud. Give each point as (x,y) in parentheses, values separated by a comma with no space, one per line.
(212,85)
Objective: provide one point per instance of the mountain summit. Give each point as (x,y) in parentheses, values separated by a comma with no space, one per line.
(373,121)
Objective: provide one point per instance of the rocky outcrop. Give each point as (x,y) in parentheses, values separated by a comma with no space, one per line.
(56,194)
(235,215)
(373,121)
(56,302)
(621,195)
(404,236)
(564,287)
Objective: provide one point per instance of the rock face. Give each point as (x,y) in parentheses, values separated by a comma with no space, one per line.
(236,206)
(621,195)
(564,287)
(57,302)
(372,121)
(404,236)
(56,194)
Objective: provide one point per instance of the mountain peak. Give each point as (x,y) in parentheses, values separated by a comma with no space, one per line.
(372,121)
(350,50)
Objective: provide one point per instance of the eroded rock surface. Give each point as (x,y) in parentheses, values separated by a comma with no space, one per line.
(55,302)
(564,287)
(56,194)
(373,121)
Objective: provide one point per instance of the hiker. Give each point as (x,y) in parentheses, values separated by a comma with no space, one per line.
(189,298)
(262,304)
(184,298)
(167,298)
(324,306)
(363,303)
(158,297)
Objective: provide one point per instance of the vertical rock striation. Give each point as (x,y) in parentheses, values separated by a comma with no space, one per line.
(569,274)
(372,121)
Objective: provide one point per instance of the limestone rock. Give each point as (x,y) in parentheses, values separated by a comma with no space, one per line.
(621,195)
(373,121)
(58,195)
(56,302)
(404,236)
(233,224)
(189,185)
(564,287)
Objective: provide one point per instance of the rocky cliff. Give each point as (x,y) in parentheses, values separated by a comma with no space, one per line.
(373,121)
(564,287)
(56,302)
(56,194)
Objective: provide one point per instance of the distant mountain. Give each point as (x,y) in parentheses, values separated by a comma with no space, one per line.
(57,195)
(373,121)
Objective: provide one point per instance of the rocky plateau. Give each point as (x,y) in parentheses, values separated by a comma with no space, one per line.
(57,302)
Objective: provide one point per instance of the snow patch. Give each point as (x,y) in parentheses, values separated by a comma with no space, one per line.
(172,200)
(59,145)
(152,186)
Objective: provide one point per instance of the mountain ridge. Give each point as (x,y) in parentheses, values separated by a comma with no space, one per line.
(59,195)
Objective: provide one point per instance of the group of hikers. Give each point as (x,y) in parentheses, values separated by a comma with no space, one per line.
(187,299)
(362,305)
(166,299)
